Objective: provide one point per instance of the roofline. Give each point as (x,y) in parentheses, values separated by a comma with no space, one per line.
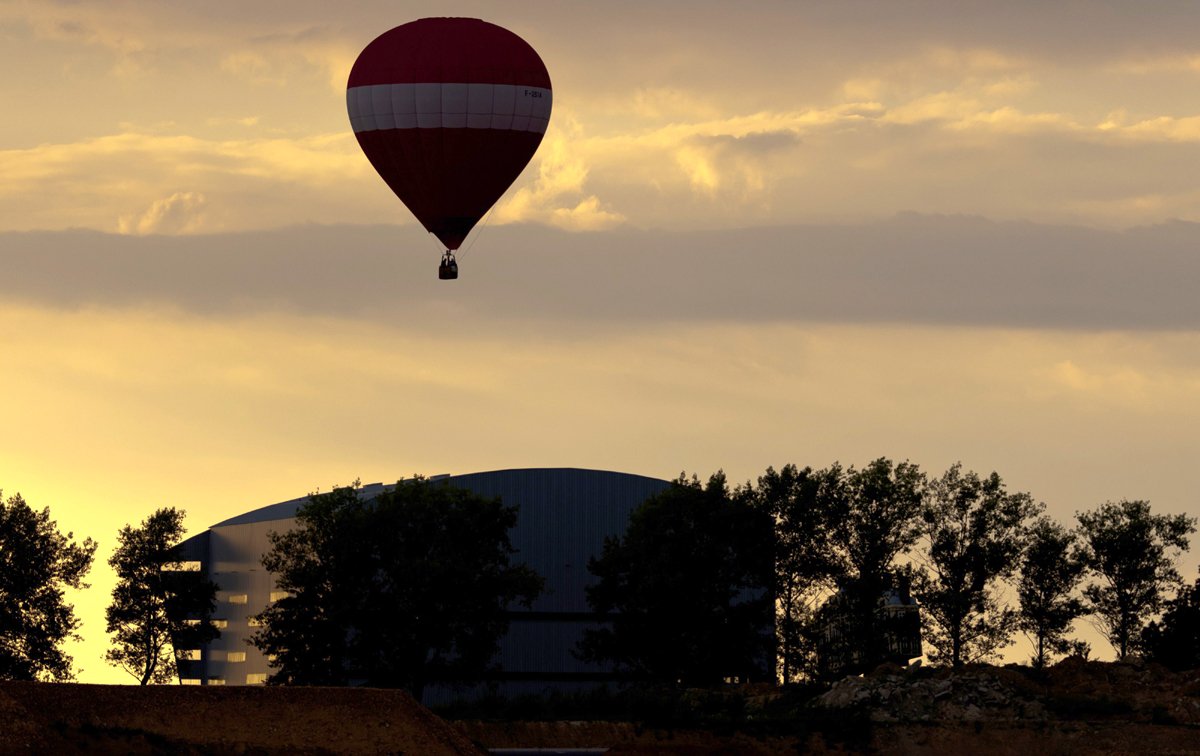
(281,509)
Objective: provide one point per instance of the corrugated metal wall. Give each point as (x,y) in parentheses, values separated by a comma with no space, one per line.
(564,516)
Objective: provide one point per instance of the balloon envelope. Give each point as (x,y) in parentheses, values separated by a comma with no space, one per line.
(449,111)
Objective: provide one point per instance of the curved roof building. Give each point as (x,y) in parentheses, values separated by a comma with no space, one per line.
(563,518)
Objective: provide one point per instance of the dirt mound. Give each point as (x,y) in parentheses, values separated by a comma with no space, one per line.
(71,718)
(970,695)
(623,738)
(1073,708)
(1141,692)
(1072,690)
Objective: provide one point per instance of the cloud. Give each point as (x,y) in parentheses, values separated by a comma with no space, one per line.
(114,182)
(252,65)
(1129,209)
(107,27)
(554,197)
(672,103)
(1013,121)
(263,43)
(1156,64)
(1124,384)
(756,144)
(180,213)
(971,60)
(732,159)
(247,121)
(1163,128)
(588,215)
(794,113)
(275,57)
(940,106)
(310,159)
(697,164)
(857,160)
(716,161)
(1126,375)
(979,106)
(947,271)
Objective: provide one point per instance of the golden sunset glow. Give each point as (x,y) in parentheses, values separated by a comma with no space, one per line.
(150,149)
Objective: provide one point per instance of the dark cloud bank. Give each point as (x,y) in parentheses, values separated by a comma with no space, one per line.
(910,269)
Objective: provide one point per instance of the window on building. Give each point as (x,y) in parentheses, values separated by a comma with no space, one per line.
(256,678)
(187,654)
(235,656)
(238,598)
(220,624)
(216,681)
(182,567)
(189,681)
(276,595)
(255,622)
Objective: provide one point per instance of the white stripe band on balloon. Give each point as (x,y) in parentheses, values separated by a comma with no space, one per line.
(449,106)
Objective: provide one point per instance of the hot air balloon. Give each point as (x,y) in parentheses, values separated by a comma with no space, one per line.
(449,111)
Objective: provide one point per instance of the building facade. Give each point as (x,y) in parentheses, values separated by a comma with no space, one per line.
(898,623)
(563,518)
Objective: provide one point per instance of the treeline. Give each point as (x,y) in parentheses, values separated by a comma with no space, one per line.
(802,574)
(832,551)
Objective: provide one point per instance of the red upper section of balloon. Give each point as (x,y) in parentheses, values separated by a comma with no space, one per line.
(449,50)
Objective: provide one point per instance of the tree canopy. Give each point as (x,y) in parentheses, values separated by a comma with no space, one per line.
(1051,569)
(156,606)
(974,533)
(839,532)
(687,588)
(806,567)
(37,565)
(874,518)
(1174,641)
(1131,552)
(405,589)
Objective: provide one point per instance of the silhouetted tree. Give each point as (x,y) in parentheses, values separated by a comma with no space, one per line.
(838,534)
(37,563)
(687,588)
(1051,569)
(1174,641)
(409,588)
(1132,554)
(974,533)
(1079,649)
(156,606)
(874,516)
(806,568)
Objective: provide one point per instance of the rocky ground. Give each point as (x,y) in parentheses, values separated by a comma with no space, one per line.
(1070,690)
(1073,708)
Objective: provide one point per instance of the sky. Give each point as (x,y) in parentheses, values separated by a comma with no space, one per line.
(754,235)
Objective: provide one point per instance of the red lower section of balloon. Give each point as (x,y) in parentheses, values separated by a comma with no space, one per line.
(449,178)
